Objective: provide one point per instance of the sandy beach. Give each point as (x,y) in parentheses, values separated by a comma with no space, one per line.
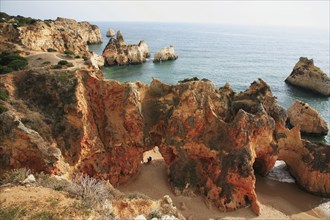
(278,200)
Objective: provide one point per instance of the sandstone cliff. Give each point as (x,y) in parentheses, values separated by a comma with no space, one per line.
(118,53)
(310,77)
(60,35)
(307,119)
(211,139)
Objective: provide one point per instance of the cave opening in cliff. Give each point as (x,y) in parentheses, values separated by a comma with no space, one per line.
(152,155)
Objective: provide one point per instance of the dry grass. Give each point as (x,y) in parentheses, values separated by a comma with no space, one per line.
(15,176)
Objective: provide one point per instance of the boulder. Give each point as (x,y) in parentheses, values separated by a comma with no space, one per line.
(165,54)
(118,53)
(110,33)
(308,76)
(305,117)
(29,180)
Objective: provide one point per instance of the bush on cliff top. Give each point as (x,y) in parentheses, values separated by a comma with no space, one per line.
(10,62)
(69,52)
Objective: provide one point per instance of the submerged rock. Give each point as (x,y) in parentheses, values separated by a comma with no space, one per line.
(110,33)
(118,53)
(165,54)
(310,77)
(305,117)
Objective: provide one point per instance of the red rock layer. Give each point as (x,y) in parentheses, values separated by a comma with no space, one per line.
(211,139)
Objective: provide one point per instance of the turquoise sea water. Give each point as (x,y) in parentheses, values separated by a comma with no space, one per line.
(233,54)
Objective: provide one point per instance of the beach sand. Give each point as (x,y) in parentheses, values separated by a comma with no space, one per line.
(278,200)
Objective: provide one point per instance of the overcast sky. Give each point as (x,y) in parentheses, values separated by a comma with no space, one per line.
(280,12)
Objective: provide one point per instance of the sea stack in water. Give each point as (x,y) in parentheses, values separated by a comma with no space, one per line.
(110,33)
(310,77)
(118,53)
(307,118)
(165,54)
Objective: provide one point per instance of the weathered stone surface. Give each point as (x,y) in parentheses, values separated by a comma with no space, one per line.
(97,60)
(61,34)
(165,54)
(310,77)
(212,139)
(110,33)
(305,117)
(118,53)
(308,162)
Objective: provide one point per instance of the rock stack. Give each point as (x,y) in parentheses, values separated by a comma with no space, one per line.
(308,76)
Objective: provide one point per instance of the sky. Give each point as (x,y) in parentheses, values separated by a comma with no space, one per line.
(300,13)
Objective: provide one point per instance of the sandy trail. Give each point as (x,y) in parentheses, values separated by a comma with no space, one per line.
(278,200)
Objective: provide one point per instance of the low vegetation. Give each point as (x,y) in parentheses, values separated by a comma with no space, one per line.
(51,50)
(69,52)
(89,194)
(62,64)
(18,20)
(10,62)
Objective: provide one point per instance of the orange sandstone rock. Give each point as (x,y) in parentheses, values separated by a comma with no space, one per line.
(212,139)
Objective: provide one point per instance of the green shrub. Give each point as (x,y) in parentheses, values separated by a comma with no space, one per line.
(77,57)
(69,52)
(57,66)
(18,64)
(51,50)
(10,62)
(62,62)
(5,69)
(2,110)
(3,95)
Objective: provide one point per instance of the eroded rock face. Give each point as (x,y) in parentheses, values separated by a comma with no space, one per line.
(61,34)
(165,54)
(310,77)
(118,53)
(305,117)
(212,139)
(308,162)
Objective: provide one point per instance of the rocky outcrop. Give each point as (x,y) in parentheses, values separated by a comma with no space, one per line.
(118,53)
(60,35)
(305,117)
(310,77)
(97,60)
(165,54)
(212,140)
(308,163)
(110,33)
(88,32)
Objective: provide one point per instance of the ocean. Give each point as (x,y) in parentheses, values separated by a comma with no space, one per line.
(238,55)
